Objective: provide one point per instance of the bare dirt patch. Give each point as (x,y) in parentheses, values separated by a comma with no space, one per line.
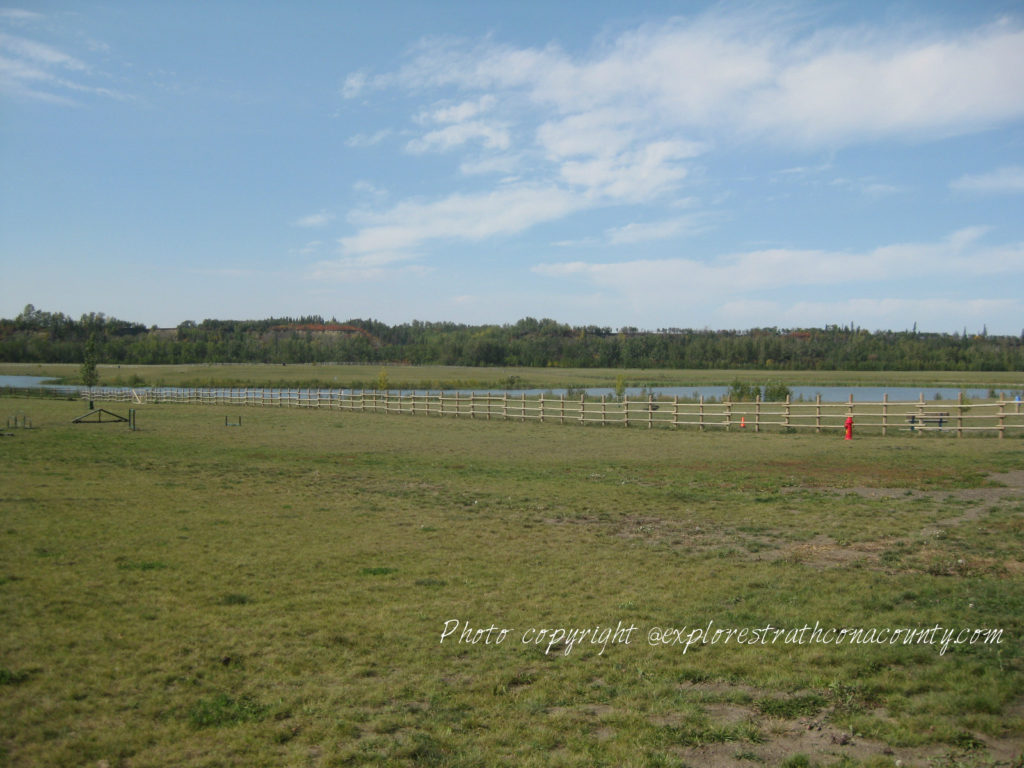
(823,552)
(821,740)
(1003,485)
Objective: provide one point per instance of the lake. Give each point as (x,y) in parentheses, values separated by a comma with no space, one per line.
(828,394)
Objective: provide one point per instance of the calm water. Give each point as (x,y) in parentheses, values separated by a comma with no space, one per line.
(828,394)
(23,381)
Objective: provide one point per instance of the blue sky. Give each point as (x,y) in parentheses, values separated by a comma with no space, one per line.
(659,164)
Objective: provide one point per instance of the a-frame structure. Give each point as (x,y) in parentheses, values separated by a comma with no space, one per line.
(96,417)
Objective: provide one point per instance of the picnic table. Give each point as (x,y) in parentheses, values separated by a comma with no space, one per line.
(927,418)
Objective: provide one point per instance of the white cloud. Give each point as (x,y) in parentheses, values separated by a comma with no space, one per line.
(490,136)
(658,284)
(843,91)
(751,77)
(19,14)
(1007,179)
(320,219)
(354,85)
(504,211)
(38,52)
(369,189)
(368,140)
(35,70)
(459,113)
(503,164)
(938,313)
(313,246)
(374,267)
(460,126)
(624,123)
(599,132)
(635,176)
(642,232)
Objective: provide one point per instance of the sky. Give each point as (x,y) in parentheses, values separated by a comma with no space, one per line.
(647,164)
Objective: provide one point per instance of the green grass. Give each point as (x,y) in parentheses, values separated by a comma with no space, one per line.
(275,594)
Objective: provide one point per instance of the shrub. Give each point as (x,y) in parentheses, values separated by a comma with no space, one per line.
(740,391)
(776,391)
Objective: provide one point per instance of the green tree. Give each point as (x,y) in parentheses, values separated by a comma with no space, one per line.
(88,372)
(620,386)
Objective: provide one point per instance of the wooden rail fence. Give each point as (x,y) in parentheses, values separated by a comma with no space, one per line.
(999,417)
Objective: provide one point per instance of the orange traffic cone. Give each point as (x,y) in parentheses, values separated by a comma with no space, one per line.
(743,421)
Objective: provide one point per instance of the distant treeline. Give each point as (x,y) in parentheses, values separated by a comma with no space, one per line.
(45,337)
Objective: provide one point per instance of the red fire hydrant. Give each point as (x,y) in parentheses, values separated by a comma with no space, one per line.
(849,428)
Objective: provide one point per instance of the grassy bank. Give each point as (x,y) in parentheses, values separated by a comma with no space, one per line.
(275,593)
(455,377)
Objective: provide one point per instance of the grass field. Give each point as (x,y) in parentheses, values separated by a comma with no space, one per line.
(456,377)
(276,593)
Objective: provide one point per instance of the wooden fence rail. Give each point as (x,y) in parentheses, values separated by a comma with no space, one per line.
(1000,417)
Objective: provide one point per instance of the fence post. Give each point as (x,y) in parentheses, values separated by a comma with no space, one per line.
(700,412)
(960,414)
(728,414)
(522,408)
(561,409)
(885,414)
(604,409)
(625,409)
(504,406)
(583,407)
(1002,419)
(757,413)
(540,407)
(675,410)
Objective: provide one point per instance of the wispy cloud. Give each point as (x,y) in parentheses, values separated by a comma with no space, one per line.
(751,76)
(938,313)
(320,219)
(658,285)
(642,232)
(625,123)
(19,15)
(368,139)
(39,53)
(466,217)
(354,85)
(451,136)
(42,72)
(374,267)
(462,123)
(457,113)
(1007,179)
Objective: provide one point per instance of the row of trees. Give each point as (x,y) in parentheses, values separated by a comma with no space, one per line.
(36,336)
